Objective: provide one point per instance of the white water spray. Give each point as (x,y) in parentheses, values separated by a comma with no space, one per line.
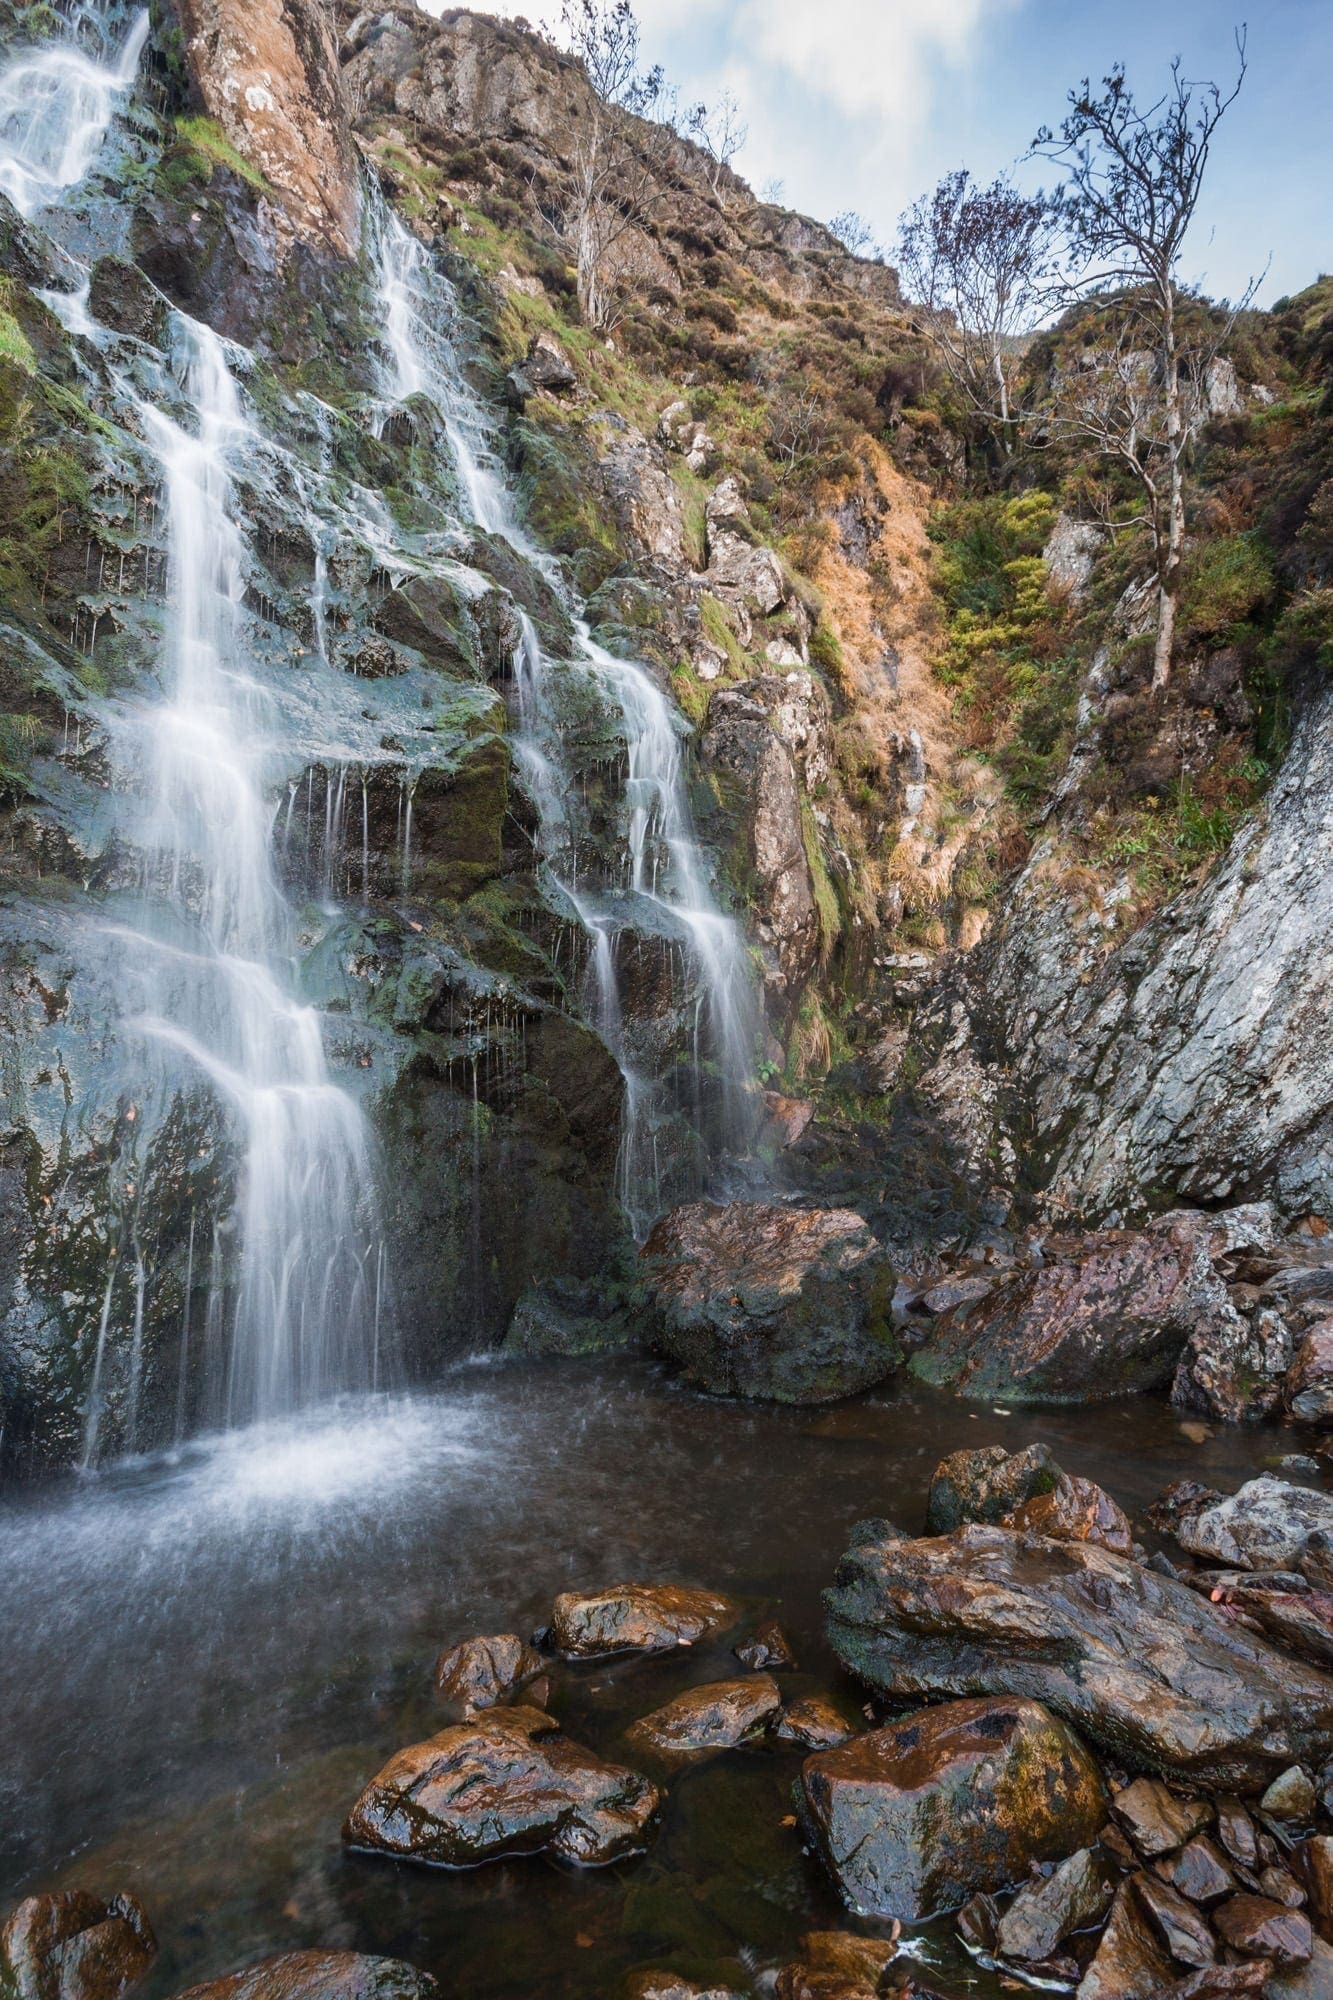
(56,103)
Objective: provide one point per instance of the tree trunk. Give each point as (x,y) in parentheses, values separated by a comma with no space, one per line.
(1168,567)
(1005,438)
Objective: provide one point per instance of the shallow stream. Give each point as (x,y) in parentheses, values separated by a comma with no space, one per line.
(207,1654)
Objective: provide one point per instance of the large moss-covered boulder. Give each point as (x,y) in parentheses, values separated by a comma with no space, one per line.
(758,1299)
(915,1818)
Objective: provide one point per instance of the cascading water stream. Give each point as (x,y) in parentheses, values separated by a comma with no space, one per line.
(56,103)
(294,1305)
(663,865)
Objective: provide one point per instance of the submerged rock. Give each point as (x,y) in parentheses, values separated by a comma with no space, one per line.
(814,1722)
(914,1818)
(758,1299)
(836,1965)
(1143,1665)
(320,1975)
(715,1717)
(74,1946)
(507,1784)
(636,1618)
(768,1646)
(481,1672)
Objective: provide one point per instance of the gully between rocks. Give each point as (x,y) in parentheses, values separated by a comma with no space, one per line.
(208,1653)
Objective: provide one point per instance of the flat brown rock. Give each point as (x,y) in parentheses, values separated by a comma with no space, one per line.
(508,1783)
(914,1818)
(1198,1871)
(716,1717)
(1129,1963)
(74,1946)
(636,1618)
(1045,1912)
(320,1975)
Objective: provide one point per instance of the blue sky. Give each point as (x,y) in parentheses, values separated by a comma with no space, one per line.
(864,103)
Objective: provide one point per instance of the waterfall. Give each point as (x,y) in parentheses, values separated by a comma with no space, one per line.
(666,883)
(294,1309)
(308,1258)
(56,103)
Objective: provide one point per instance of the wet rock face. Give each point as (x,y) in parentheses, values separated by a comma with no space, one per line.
(1145,1667)
(1195,1056)
(756,1299)
(914,1818)
(320,1975)
(71,1946)
(267,70)
(756,773)
(1107,1314)
(508,1784)
(636,1618)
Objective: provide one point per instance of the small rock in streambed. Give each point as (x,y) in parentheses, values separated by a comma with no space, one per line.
(913,1818)
(75,1946)
(706,1719)
(813,1722)
(670,1986)
(1263,1929)
(1290,1797)
(1311,1981)
(1198,1871)
(1130,1962)
(478,1673)
(507,1783)
(1157,1819)
(636,1618)
(768,1647)
(1316,1862)
(985,1484)
(1177,1923)
(320,1975)
(1044,1913)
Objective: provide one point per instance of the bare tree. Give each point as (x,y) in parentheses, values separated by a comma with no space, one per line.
(798,425)
(618,162)
(1132,185)
(982,261)
(773,190)
(854,233)
(721,132)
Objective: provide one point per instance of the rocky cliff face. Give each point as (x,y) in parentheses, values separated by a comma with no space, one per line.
(969,1022)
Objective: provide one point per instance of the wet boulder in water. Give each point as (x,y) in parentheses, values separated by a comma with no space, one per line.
(769,1646)
(1140,1663)
(914,1818)
(757,1299)
(481,1672)
(75,1946)
(985,1484)
(703,1719)
(1104,1315)
(320,1975)
(636,1618)
(1268,1525)
(507,1784)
